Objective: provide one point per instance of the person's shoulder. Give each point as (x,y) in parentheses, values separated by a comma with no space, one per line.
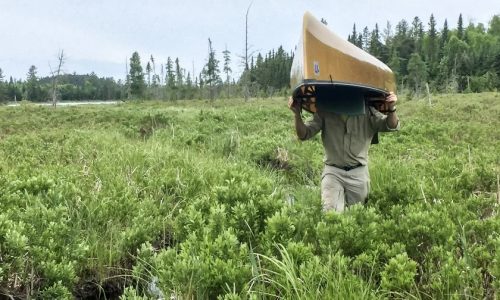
(369,109)
(319,114)
(324,114)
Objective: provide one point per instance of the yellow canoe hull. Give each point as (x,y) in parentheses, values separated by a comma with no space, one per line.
(325,64)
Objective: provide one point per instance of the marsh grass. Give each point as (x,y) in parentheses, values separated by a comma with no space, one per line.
(84,189)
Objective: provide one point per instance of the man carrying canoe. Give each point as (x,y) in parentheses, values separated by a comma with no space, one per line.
(346,138)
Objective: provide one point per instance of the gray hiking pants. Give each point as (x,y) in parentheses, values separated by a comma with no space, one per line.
(340,188)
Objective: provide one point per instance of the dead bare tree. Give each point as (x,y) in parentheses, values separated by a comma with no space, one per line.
(55,76)
(247,48)
(246,58)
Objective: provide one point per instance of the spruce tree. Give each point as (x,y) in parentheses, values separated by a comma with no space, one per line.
(366,39)
(13,90)
(155,80)
(178,74)
(444,36)
(403,45)
(359,41)
(137,84)
(148,71)
(211,72)
(460,28)
(417,34)
(227,66)
(376,47)
(432,48)
(387,34)
(170,76)
(33,89)
(354,35)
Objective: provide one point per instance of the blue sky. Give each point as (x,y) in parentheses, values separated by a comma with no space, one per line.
(99,35)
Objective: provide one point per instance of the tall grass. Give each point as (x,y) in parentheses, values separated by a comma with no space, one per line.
(210,189)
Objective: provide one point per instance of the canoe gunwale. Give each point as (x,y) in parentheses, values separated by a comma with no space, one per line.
(312,82)
(305,93)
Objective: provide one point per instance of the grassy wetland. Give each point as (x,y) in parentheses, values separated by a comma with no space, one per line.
(219,200)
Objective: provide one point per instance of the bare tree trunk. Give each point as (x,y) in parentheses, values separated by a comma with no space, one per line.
(55,77)
(428,93)
(246,36)
(245,84)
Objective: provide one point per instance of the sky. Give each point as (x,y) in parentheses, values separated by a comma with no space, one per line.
(100,35)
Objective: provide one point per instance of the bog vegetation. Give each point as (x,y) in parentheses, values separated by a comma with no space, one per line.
(204,199)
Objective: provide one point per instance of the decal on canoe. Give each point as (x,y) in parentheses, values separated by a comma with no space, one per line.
(316,68)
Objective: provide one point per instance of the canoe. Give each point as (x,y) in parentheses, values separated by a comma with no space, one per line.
(330,73)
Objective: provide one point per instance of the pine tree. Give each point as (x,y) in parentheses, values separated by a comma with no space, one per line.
(354,35)
(417,33)
(359,41)
(432,48)
(272,71)
(460,28)
(170,74)
(148,71)
(366,39)
(178,74)
(387,34)
(33,89)
(403,45)
(14,91)
(190,87)
(137,84)
(211,72)
(189,81)
(444,36)
(376,47)
(156,80)
(227,67)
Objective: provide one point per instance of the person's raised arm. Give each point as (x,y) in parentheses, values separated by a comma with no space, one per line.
(300,127)
(392,117)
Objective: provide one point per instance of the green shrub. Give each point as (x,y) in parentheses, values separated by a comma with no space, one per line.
(399,274)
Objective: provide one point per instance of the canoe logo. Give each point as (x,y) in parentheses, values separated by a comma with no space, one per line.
(316,68)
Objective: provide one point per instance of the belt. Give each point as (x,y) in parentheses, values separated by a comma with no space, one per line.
(346,168)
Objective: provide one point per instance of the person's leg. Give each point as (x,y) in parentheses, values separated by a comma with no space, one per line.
(332,191)
(357,186)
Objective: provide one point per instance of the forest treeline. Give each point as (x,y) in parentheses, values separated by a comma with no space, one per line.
(460,58)
(463,59)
